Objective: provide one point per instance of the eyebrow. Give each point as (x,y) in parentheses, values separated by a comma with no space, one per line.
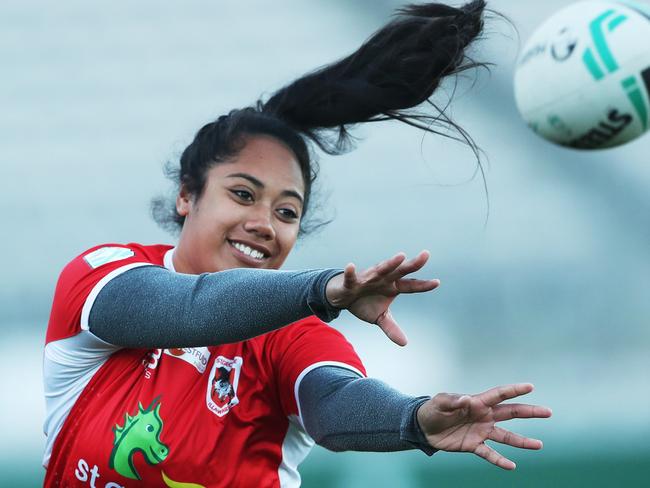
(259,184)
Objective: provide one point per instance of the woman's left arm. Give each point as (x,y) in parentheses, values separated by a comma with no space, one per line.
(343,411)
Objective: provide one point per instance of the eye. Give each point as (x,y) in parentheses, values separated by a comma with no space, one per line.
(243,195)
(288,214)
(149,428)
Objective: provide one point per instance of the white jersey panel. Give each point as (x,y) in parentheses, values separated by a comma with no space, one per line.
(297,444)
(68,366)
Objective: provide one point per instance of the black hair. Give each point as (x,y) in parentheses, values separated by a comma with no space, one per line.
(396,70)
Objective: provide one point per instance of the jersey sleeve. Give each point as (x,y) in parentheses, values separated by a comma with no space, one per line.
(81,281)
(302,347)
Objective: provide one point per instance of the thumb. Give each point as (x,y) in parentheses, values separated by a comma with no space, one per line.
(391,328)
(449,402)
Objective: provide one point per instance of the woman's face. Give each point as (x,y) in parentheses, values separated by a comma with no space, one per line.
(248,215)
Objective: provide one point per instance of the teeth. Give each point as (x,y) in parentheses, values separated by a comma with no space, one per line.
(254,253)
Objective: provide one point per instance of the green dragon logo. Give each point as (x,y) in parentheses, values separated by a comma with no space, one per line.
(141,432)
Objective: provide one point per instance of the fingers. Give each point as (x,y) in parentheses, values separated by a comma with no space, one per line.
(515,440)
(494,457)
(509,438)
(496,395)
(393,270)
(399,266)
(416,286)
(390,265)
(413,265)
(387,323)
(510,411)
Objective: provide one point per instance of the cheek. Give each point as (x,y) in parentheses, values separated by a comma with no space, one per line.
(288,240)
(215,221)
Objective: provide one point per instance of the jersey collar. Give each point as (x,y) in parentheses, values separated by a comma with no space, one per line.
(168,261)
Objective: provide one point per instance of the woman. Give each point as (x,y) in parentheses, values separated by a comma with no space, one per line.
(202,364)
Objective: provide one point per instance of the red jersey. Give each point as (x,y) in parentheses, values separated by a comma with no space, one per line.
(210,416)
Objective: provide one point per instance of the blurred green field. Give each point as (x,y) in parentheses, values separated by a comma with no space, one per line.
(605,470)
(329,470)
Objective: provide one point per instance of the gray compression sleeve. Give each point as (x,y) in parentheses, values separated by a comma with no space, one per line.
(150,306)
(342,411)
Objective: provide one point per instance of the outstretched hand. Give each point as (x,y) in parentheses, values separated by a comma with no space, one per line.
(463,423)
(369,293)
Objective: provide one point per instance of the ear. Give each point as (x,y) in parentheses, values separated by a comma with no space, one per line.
(183,202)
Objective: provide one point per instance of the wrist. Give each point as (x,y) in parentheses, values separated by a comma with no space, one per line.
(417,416)
(411,430)
(333,289)
(317,297)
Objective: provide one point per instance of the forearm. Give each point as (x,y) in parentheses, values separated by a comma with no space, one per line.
(342,411)
(152,307)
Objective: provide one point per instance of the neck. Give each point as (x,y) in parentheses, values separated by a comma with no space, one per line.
(180,262)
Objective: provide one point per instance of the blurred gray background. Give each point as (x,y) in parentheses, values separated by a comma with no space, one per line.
(554,289)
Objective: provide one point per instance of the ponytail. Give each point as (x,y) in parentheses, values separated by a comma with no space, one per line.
(395,70)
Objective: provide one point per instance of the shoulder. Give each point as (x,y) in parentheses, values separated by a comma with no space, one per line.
(104,254)
(83,277)
(309,341)
(103,257)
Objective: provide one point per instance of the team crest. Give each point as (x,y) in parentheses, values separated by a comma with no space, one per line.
(222,385)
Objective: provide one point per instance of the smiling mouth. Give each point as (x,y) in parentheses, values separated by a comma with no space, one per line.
(248,251)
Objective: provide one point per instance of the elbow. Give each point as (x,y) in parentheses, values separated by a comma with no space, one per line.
(320,434)
(329,443)
(312,429)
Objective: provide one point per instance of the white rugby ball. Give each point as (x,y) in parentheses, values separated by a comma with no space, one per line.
(583,78)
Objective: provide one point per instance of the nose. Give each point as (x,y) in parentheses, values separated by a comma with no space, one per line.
(259,223)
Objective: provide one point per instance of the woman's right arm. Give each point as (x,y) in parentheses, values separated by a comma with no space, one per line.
(150,306)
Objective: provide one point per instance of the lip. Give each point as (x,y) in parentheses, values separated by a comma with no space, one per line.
(245,258)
